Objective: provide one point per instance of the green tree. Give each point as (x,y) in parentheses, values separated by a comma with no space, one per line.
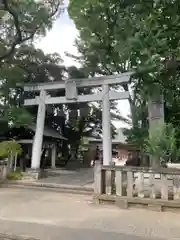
(22,21)
(117,36)
(26,65)
(30,65)
(10,150)
(161,144)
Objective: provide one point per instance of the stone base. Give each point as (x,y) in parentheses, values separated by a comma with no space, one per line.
(3,172)
(159,205)
(122,203)
(34,174)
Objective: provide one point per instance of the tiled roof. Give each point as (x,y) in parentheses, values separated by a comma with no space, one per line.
(119,138)
(49,132)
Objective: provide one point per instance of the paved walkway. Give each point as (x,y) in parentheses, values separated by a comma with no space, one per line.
(56,216)
(85,178)
(76,177)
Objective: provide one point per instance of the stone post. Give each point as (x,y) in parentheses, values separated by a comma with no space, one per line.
(119,182)
(130,183)
(97,179)
(164,186)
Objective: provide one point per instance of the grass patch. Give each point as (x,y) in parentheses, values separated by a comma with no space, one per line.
(15,175)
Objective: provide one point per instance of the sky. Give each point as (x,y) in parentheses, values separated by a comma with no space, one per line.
(61,39)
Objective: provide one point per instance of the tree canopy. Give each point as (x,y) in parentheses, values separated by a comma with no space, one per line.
(22,21)
(117,36)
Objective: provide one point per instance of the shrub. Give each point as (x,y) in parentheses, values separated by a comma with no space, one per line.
(15,175)
(8,148)
(161,144)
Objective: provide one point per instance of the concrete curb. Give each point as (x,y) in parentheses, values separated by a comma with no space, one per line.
(49,187)
(13,237)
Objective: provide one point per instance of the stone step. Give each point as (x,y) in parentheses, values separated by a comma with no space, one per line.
(48,187)
(27,178)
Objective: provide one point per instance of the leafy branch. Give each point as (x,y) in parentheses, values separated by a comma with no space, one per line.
(9,8)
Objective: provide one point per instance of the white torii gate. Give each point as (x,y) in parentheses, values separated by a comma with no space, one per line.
(72,96)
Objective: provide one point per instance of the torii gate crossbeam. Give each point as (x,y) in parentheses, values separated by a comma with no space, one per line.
(72,97)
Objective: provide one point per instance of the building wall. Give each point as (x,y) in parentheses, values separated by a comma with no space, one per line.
(121,149)
(122,153)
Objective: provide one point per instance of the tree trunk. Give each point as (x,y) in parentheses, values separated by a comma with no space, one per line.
(77,149)
(132,107)
(8,164)
(64,148)
(15,162)
(154,162)
(21,164)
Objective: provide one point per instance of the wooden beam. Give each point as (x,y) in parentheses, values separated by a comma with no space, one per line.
(84,82)
(81,98)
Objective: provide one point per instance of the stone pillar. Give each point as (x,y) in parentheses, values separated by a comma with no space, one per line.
(53,156)
(156,113)
(38,138)
(106,122)
(156,110)
(97,179)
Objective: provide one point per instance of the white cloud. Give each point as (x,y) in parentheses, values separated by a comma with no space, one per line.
(124,108)
(61,39)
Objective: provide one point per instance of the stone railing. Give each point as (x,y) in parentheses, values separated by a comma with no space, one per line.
(128,186)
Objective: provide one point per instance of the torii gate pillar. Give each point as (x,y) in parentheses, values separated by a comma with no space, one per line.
(38,138)
(106,126)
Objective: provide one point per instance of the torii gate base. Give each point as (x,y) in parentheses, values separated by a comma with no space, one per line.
(72,97)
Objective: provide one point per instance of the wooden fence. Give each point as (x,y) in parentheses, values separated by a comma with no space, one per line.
(134,185)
